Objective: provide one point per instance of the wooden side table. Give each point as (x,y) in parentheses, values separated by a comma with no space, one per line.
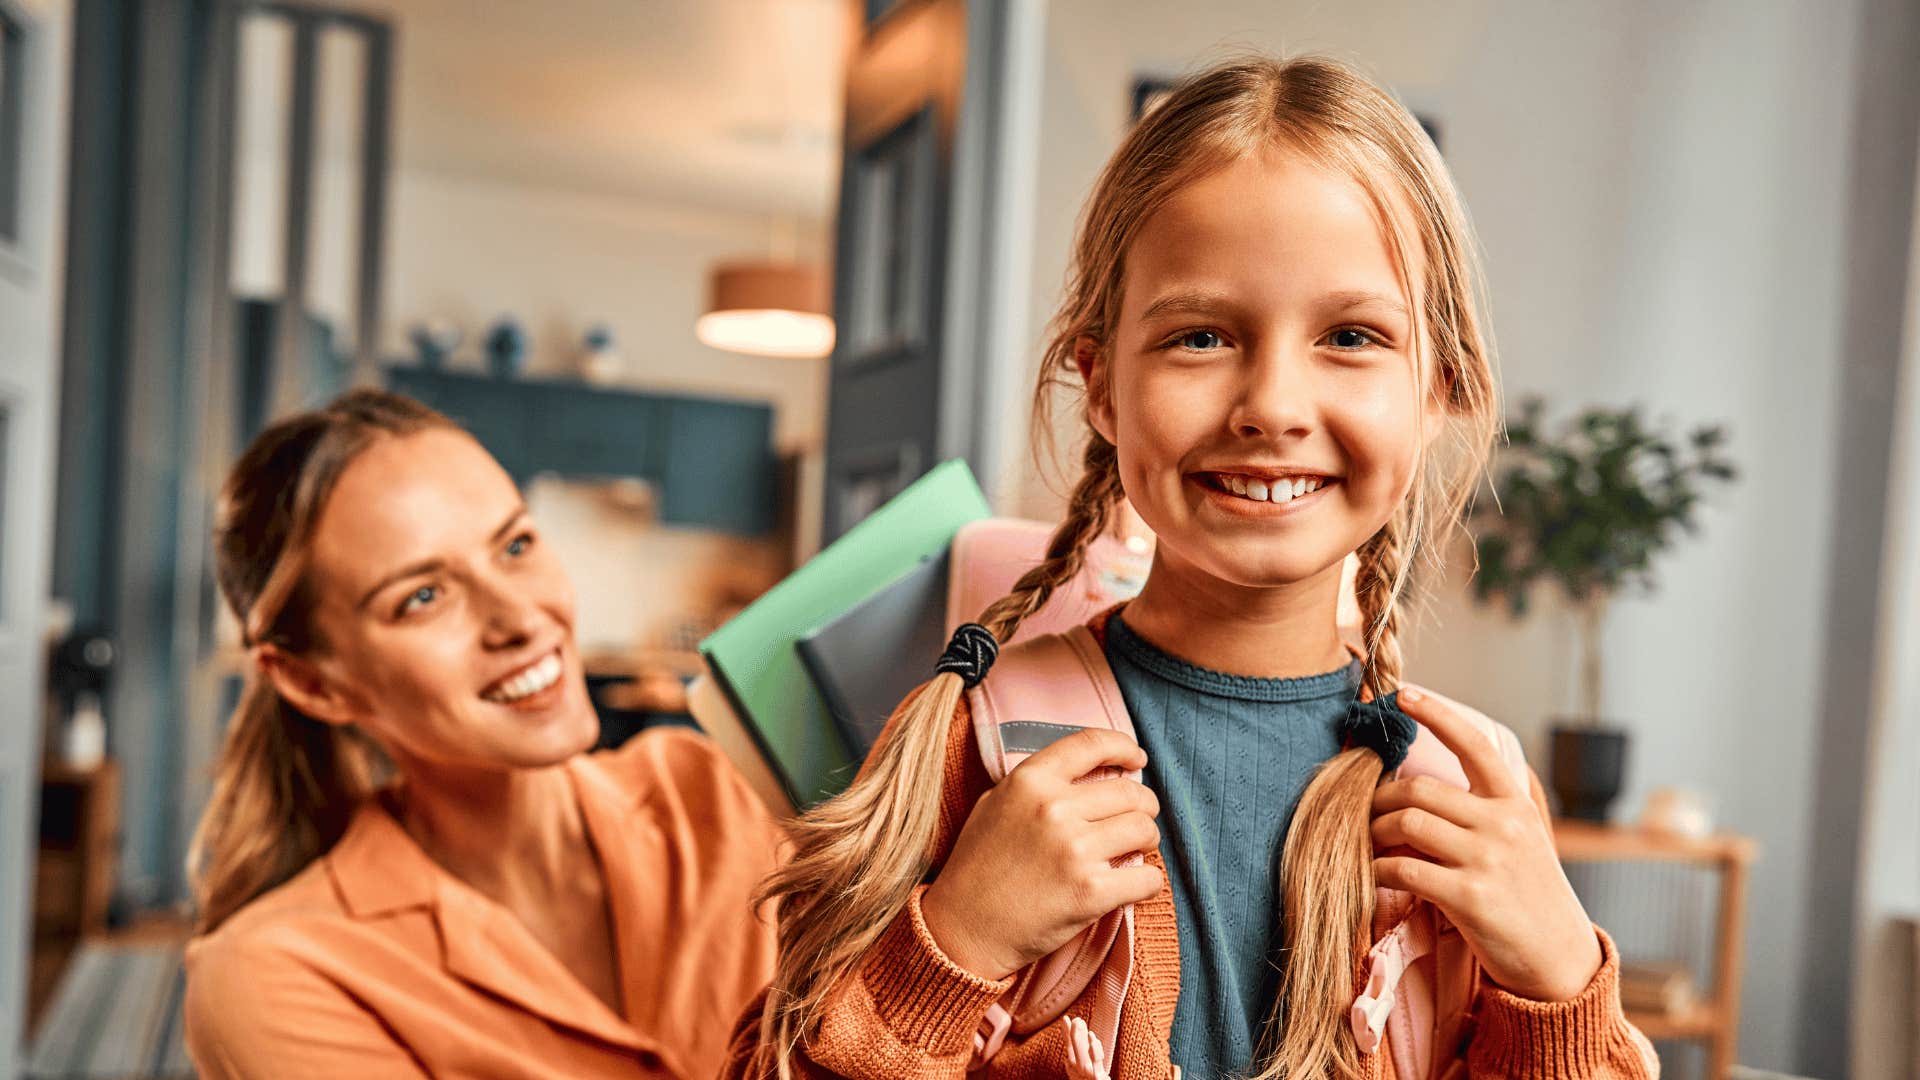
(1715,1020)
(74,871)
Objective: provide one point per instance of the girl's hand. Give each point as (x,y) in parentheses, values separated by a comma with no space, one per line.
(1486,858)
(1033,865)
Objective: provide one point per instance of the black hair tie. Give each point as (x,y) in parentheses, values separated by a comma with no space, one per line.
(970,653)
(1381,727)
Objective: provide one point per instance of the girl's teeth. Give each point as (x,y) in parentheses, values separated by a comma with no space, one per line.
(1279,491)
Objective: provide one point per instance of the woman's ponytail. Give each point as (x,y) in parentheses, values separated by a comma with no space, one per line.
(283,792)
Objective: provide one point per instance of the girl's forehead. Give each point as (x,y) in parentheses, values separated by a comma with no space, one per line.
(1276,222)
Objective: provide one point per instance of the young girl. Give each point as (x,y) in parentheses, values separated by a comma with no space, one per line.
(1272,318)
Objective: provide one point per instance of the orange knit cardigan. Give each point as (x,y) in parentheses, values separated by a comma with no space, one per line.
(909,1011)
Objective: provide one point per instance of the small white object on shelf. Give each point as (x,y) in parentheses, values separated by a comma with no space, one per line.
(83,738)
(1677,812)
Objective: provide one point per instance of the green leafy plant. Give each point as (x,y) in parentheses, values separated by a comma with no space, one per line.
(1587,508)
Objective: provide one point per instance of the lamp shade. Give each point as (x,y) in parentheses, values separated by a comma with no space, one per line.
(768,309)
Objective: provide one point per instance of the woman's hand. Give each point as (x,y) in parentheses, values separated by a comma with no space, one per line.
(1034,864)
(1486,858)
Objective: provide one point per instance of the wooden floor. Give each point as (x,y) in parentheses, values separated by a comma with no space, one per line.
(109,1007)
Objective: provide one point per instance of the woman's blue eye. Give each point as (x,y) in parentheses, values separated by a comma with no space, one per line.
(418,597)
(1199,340)
(518,545)
(1350,337)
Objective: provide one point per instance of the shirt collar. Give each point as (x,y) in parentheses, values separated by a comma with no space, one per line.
(377,868)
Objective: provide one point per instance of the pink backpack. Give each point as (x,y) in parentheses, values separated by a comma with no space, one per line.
(1421,975)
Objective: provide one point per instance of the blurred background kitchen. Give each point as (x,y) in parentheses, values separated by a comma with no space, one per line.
(716,279)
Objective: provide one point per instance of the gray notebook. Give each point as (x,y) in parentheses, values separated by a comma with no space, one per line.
(866,660)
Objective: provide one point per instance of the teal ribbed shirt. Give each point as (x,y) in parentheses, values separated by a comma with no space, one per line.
(1229,756)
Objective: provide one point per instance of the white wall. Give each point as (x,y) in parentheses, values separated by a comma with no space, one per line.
(1886,987)
(1659,189)
(470,249)
(636,583)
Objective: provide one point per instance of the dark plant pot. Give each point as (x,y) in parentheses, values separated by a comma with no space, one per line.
(1589,766)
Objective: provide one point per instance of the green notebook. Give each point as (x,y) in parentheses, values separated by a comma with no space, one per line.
(753,655)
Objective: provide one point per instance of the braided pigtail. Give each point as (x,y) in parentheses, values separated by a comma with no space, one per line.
(858,856)
(1327,887)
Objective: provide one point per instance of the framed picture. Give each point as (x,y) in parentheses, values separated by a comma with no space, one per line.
(1148,92)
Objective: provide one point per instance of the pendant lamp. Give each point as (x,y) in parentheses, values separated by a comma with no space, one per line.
(768,309)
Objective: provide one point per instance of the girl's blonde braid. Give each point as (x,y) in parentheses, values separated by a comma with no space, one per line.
(1089,515)
(1384,562)
(858,856)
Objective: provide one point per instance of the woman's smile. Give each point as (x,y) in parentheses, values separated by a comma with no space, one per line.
(532,686)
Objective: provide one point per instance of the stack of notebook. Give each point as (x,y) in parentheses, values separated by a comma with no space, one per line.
(800,684)
(871,609)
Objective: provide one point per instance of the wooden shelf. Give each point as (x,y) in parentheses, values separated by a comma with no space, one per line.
(1584,841)
(78,849)
(1699,1022)
(1715,1021)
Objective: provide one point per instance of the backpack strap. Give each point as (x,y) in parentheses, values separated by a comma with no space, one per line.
(1421,975)
(1039,690)
(1061,677)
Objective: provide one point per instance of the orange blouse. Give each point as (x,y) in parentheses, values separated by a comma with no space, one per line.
(375,962)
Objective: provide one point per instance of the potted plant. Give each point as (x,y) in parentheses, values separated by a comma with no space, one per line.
(1587,508)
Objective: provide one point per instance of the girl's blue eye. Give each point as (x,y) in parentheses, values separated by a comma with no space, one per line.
(1199,340)
(419,597)
(1351,337)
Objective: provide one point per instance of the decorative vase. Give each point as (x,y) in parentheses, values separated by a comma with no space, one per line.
(433,341)
(599,357)
(506,346)
(1588,768)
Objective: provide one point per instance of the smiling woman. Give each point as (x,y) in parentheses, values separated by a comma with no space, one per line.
(410,864)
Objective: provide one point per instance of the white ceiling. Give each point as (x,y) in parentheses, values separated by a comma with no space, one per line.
(730,104)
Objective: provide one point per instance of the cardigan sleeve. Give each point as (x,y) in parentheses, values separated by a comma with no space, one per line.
(907,1009)
(1587,1037)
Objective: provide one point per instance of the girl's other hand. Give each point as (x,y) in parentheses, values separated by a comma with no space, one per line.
(1486,858)
(1034,863)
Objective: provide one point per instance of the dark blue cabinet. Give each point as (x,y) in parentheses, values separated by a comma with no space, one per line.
(580,430)
(489,409)
(718,470)
(711,459)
